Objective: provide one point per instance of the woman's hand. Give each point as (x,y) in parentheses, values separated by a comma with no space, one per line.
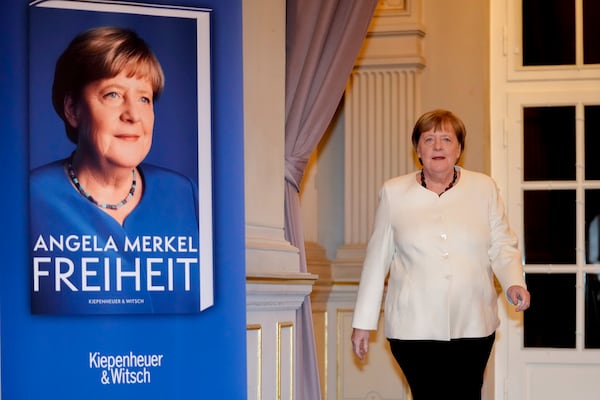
(519,296)
(360,342)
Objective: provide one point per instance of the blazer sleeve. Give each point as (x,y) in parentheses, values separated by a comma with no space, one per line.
(504,254)
(380,251)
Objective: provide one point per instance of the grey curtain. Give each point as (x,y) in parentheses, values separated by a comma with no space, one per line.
(323,39)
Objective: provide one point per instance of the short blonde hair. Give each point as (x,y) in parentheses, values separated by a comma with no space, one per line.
(102,53)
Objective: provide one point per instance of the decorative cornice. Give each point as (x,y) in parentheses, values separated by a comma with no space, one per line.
(278,293)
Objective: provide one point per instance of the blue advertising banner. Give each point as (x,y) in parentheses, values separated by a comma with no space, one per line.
(141,295)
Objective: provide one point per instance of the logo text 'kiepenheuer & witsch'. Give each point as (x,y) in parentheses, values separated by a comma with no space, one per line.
(125,369)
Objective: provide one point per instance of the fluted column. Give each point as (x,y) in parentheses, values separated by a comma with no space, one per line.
(381,104)
(380,109)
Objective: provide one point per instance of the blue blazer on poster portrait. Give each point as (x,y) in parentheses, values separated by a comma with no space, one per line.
(85,262)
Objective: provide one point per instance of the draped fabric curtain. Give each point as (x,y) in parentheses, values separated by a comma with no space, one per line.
(323,39)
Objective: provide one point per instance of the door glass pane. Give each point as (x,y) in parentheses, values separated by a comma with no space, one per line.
(548,32)
(550,321)
(592,141)
(549,226)
(592,311)
(549,143)
(592,226)
(591,32)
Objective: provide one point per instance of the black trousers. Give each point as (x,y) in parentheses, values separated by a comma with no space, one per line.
(448,370)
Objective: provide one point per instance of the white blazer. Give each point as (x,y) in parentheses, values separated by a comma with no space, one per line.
(441,253)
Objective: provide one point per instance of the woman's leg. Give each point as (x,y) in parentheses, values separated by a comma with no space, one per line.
(471,356)
(443,369)
(419,361)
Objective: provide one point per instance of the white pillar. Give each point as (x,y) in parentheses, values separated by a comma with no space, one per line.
(267,251)
(381,105)
(275,289)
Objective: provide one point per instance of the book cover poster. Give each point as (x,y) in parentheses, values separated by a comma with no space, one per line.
(120,159)
(123,317)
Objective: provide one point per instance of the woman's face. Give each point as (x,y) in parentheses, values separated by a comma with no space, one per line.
(438,150)
(115,119)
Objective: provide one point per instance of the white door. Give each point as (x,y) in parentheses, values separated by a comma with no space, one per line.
(546,93)
(554,195)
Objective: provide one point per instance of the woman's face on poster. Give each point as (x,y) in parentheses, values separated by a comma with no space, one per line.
(115,119)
